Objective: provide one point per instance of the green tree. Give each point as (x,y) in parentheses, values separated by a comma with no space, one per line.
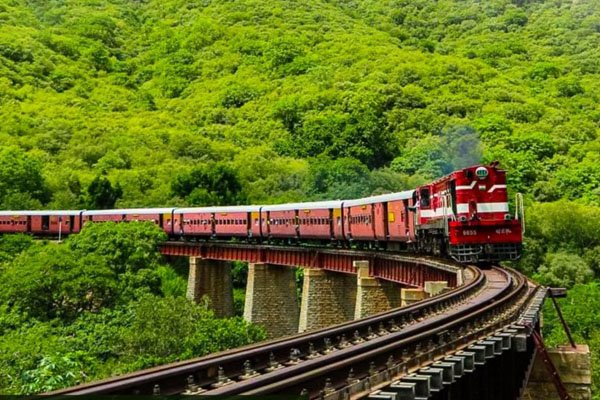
(213,185)
(129,250)
(51,281)
(344,178)
(427,156)
(564,270)
(13,245)
(102,195)
(21,182)
(167,329)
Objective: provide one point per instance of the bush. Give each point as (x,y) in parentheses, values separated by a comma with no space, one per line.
(169,329)
(563,270)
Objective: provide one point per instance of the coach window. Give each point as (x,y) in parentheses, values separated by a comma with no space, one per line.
(425,200)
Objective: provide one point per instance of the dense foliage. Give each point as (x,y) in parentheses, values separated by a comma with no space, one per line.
(117,103)
(137,103)
(99,304)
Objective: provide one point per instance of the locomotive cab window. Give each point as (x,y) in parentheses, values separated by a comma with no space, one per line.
(425,199)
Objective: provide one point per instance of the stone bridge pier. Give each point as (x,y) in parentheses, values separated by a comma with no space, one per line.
(328,298)
(373,295)
(272,299)
(211,278)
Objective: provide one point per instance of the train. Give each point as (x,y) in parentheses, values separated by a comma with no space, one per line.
(464,215)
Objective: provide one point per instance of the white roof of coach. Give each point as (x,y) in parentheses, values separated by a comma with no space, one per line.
(407,194)
(305,206)
(40,212)
(217,209)
(127,211)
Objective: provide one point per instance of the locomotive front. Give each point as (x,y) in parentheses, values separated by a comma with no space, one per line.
(484,229)
(467,211)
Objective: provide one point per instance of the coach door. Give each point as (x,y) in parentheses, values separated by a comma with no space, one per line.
(45,222)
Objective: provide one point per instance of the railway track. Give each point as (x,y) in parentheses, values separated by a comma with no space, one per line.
(399,352)
(341,360)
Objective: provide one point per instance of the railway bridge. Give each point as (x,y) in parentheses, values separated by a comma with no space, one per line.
(339,286)
(372,325)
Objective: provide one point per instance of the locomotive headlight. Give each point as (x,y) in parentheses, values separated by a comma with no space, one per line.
(481,172)
(507,217)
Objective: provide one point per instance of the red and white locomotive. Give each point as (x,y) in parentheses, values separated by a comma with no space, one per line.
(464,215)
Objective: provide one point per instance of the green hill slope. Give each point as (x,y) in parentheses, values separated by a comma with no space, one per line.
(125,103)
(292,96)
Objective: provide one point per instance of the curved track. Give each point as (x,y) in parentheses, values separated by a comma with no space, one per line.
(410,346)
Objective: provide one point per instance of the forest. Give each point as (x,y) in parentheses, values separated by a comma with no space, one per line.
(120,103)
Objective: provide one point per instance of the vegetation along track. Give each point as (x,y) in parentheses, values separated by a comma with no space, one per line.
(311,361)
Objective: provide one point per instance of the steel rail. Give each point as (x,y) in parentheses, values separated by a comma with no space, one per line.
(371,356)
(174,378)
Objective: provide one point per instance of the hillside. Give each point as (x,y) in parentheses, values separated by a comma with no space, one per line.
(290,97)
(127,103)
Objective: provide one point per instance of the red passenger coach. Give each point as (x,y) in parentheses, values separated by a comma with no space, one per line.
(226,221)
(364,220)
(159,216)
(14,222)
(320,220)
(55,222)
(401,220)
(315,220)
(279,221)
(195,221)
(380,218)
(235,221)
